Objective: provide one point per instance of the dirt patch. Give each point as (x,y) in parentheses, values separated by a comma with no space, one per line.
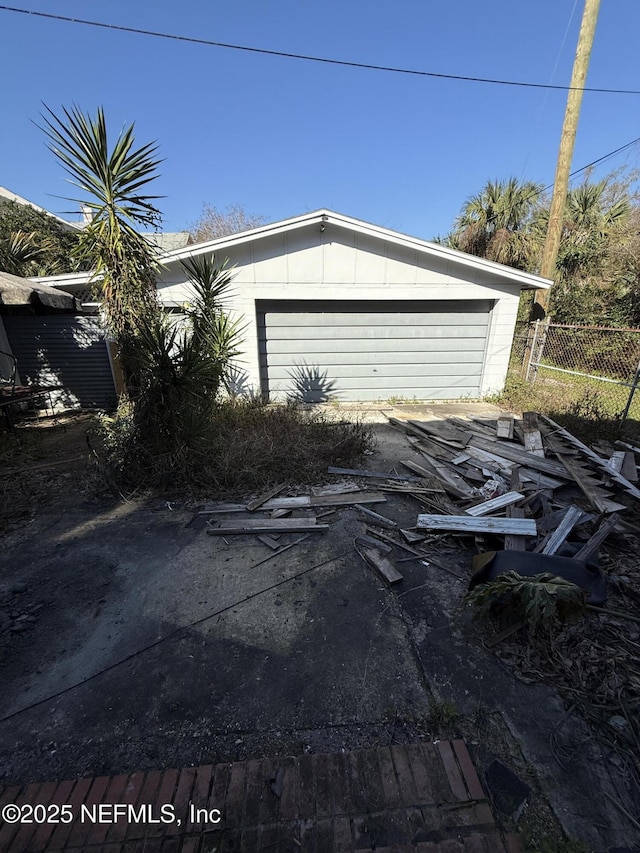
(44,463)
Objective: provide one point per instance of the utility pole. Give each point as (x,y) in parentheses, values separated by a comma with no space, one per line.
(565,153)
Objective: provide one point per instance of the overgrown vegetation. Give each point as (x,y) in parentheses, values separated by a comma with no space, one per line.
(584,406)
(34,243)
(244,446)
(589,654)
(172,428)
(597,279)
(542,602)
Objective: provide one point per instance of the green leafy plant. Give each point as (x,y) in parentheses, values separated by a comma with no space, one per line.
(112,181)
(538,601)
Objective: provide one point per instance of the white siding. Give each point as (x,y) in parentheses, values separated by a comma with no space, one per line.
(339,263)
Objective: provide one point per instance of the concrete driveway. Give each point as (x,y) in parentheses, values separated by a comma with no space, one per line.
(139,642)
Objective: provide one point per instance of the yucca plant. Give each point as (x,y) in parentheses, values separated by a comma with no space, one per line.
(111,180)
(539,601)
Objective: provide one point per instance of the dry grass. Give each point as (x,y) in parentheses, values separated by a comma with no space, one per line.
(246,446)
(586,408)
(44,462)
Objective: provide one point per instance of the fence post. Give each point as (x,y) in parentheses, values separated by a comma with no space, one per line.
(634,388)
(531,349)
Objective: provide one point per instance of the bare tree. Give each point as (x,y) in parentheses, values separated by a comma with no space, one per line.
(214,222)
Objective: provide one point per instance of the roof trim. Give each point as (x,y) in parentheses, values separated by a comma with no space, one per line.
(220,244)
(525,279)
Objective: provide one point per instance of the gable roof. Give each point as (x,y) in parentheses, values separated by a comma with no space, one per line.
(321,217)
(435,250)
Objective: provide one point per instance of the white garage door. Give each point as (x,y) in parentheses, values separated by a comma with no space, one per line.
(350,351)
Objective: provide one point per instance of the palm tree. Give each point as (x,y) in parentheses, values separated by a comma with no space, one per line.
(494,223)
(112,181)
(592,283)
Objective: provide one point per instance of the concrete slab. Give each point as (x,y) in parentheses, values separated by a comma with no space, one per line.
(147,644)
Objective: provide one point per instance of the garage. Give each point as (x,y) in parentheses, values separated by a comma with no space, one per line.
(363,351)
(335,308)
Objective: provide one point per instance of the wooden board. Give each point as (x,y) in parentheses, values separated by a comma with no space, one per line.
(263,498)
(531,431)
(375,518)
(499,502)
(268,525)
(629,470)
(301,502)
(598,497)
(590,547)
(601,463)
(468,524)
(361,472)
(517,454)
(512,541)
(559,535)
(505,427)
(382,566)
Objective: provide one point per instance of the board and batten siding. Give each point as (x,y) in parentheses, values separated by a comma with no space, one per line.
(340,265)
(359,351)
(67,350)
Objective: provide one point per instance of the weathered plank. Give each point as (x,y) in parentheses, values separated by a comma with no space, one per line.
(265,496)
(505,427)
(532,436)
(300,502)
(593,491)
(343,488)
(601,463)
(513,541)
(362,472)
(469,524)
(371,542)
(499,502)
(268,525)
(382,566)
(451,480)
(375,517)
(443,430)
(411,536)
(616,461)
(559,535)
(270,542)
(590,547)
(517,454)
(629,469)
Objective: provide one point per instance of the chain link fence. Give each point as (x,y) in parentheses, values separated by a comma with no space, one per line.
(591,366)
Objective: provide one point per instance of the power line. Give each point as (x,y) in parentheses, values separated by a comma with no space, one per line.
(573,174)
(307,58)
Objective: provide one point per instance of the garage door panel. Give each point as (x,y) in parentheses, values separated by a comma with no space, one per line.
(370,351)
(411,347)
(358,371)
(285,320)
(372,359)
(395,333)
(444,389)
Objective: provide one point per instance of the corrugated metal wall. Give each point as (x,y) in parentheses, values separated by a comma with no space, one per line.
(353,351)
(64,350)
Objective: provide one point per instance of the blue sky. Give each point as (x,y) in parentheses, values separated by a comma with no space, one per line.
(282,137)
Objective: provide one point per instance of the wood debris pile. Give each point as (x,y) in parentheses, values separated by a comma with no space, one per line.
(529,482)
